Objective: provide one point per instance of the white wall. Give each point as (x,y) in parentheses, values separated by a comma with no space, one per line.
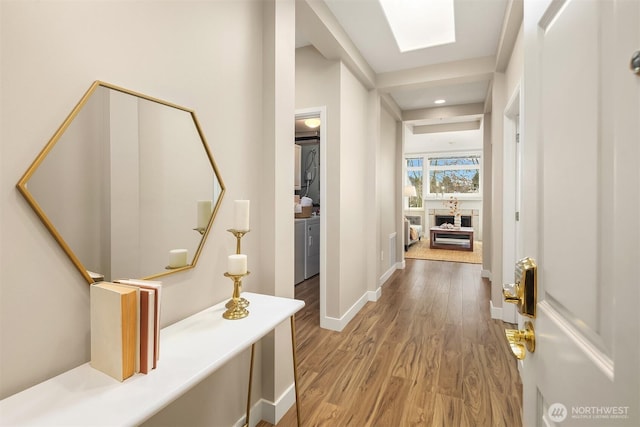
(355,172)
(204,55)
(487,197)
(442,141)
(387,188)
(515,68)
(317,85)
(504,85)
(274,223)
(354,146)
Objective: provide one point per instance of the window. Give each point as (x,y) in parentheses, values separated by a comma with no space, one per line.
(415,173)
(454,174)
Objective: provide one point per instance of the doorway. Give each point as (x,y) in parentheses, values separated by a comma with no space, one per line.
(311,158)
(512,178)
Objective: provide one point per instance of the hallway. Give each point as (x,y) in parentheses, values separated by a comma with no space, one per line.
(425,354)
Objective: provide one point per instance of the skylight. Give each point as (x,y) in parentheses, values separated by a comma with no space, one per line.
(417,24)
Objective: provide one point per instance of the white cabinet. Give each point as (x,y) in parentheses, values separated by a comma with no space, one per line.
(312,259)
(299,245)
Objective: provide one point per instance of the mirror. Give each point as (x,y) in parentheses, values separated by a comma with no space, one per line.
(127,185)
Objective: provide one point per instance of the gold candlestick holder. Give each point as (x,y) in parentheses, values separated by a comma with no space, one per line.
(238,234)
(236,307)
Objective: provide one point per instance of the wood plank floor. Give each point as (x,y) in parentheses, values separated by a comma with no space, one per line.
(426,353)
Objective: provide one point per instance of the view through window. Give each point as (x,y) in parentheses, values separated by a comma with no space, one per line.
(454,174)
(442,175)
(415,174)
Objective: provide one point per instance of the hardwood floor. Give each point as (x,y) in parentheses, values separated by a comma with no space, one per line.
(426,353)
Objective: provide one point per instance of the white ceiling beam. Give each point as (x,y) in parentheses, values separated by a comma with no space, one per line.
(443,112)
(446,127)
(449,73)
(321,28)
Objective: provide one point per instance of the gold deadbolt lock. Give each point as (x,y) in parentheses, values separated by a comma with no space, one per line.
(521,340)
(524,292)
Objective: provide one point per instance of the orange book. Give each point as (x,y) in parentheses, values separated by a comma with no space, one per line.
(147,328)
(156,287)
(114,318)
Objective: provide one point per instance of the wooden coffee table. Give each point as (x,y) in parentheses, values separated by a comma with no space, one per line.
(460,239)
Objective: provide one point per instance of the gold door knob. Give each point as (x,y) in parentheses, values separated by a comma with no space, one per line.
(523,293)
(512,293)
(521,340)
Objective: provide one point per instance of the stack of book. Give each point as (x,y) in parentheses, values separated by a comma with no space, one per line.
(125,327)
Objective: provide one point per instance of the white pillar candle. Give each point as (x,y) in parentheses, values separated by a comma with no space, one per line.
(241,215)
(177,258)
(237,264)
(204,212)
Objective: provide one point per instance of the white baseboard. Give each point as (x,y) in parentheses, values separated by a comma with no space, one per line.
(403,264)
(374,295)
(387,275)
(338,325)
(486,274)
(496,312)
(506,313)
(270,411)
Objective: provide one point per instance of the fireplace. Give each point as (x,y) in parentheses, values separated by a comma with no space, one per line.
(443,219)
(469,218)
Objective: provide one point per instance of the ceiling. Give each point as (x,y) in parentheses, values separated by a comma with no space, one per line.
(459,72)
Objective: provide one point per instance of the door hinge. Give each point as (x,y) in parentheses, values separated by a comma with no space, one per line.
(517,216)
(517,137)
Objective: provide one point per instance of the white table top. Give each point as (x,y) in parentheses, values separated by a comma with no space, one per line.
(190,350)
(453,230)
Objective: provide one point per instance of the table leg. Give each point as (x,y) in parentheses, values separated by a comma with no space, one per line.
(250,382)
(295,367)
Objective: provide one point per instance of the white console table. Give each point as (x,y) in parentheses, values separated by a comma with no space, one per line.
(190,350)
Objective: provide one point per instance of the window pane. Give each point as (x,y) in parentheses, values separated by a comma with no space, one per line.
(454,181)
(414,163)
(455,161)
(415,179)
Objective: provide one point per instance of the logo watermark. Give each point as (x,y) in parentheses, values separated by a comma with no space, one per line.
(559,412)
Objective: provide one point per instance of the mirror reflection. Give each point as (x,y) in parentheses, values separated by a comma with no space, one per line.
(127,185)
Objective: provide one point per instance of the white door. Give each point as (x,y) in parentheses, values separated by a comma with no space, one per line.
(580,211)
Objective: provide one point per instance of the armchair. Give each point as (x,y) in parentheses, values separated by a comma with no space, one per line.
(412,230)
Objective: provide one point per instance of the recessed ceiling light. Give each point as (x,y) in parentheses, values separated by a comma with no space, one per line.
(417,24)
(439,101)
(312,123)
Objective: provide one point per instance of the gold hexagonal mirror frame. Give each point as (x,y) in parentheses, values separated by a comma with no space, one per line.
(125,181)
